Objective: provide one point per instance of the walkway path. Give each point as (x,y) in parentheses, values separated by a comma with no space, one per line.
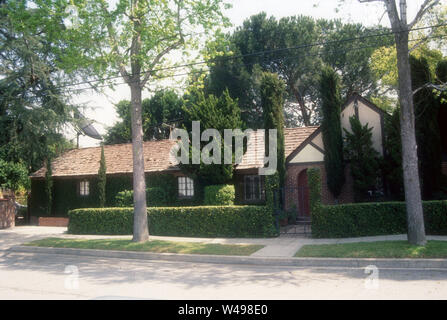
(283,246)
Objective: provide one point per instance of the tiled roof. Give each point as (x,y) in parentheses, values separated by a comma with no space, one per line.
(85,161)
(254,156)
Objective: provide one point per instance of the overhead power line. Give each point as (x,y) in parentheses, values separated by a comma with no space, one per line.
(258,53)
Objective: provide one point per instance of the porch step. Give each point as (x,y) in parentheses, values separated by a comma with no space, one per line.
(303,220)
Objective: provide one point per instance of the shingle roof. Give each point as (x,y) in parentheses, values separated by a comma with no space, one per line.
(254,156)
(85,161)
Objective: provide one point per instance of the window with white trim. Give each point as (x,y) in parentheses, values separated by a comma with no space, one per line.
(254,188)
(84,188)
(185,187)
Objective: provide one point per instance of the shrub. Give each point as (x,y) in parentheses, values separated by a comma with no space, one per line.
(154,197)
(372,219)
(219,195)
(204,221)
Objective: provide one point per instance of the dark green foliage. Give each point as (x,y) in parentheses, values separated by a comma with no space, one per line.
(272,192)
(34,103)
(214,221)
(102,180)
(155,197)
(165,107)
(49,187)
(314,182)
(363,158)
(13,175)
(213,113)
(373,219)
(66,193)
(427,128)
(331,130)
(272,101)
(392,165)
(219,195)
(298,68)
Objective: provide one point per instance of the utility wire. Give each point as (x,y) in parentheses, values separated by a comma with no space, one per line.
(263,52)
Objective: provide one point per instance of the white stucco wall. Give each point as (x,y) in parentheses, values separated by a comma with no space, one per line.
(366,116)
(308,154)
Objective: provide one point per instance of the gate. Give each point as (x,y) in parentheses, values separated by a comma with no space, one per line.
(293,211)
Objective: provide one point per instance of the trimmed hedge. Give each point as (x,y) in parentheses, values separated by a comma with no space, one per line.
(373,219)
(204,221)
(216,195)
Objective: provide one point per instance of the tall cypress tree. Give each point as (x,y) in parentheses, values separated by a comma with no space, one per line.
(427,128)
(102,179)
(49,186)
(331,130)
(272,101)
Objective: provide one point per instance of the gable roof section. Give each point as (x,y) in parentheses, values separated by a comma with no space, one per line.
(355,96)
(254,156)
(85,161)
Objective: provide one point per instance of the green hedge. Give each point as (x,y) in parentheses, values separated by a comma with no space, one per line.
(216,195)
(372,219)
(216,221)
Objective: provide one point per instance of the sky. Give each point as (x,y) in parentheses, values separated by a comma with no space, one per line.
(100,107)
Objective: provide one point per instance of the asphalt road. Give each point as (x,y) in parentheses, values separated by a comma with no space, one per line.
(51,276)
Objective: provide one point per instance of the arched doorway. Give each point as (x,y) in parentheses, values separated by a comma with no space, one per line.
(303,194)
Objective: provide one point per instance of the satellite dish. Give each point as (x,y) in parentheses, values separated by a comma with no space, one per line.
(85,127)
(88,129)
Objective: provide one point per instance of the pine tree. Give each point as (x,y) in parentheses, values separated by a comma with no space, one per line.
(102,179)
(331,130)
(363,158)
(213,113)
(272,101)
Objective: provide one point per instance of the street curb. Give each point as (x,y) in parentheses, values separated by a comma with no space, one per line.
(246,260)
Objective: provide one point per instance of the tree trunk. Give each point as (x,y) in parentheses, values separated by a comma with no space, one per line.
(302,105)
(140,225)
(415,217)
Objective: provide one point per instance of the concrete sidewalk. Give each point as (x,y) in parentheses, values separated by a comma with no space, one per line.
(280,247)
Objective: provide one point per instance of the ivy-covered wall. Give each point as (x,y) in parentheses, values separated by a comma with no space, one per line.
(66,193)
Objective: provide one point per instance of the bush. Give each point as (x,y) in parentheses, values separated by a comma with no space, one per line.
(154,197)
(219,195)
(204,221)
(373,219)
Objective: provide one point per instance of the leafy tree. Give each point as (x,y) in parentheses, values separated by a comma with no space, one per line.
(13,175)
(331,130)
(134,40)
(401,28)
(299,67)
(272,101)
(363,159)
(162,110)
(213,113)
(34,105)
(102,179)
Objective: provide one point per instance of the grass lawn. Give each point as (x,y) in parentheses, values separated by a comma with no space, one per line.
(158,246)
(380,249)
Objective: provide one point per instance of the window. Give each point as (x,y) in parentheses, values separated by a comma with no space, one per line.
(84,188)
(254,188)
(185,187)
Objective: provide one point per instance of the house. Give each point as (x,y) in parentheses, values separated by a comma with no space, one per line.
(75,172)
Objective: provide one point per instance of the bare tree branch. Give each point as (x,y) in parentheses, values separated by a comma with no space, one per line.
(425,7)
